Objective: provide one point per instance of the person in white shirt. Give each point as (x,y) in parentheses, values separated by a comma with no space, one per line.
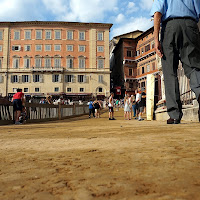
(111,107)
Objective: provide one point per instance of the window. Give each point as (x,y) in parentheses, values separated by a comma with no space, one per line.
(25,89)
(1,78)
(100,48)
(16,48)
(57,47)
(100,36)
(130,85)
(14,90)
(81,48)
(147,48)
(81,63)
(81,89)
(38,62)
(100,78)
(27,35)
(82,35)
(1,35)
(130,72)
(138,53)
(70,63)
(38,47)
(153,66)
(100,89)
(0,63)
(68,78)
(80,78)
(129,54)
(152,44)
(69,47)
(1,47)
(27,47)
(38,34)
(56,89)
(16,63)
(148,68)
(27,62)
(47,62)
(69,89)
(100,63)
(142,50)
(14,78)
(57,62)
(47,47)
(70,35)
(25,78)
(37,78)
(57,34)
(142,70)
(55,78)
(17,35)
(37,89)
(143,84)
(48,34)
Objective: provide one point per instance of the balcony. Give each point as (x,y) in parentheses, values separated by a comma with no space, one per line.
(47,69)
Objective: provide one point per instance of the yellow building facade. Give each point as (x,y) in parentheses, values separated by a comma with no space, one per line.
(52,58)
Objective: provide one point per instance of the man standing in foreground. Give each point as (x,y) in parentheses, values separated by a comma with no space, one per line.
(180,40)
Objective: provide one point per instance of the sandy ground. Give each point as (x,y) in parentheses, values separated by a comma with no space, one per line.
(86,159)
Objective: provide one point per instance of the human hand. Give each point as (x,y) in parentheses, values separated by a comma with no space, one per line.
(158,49)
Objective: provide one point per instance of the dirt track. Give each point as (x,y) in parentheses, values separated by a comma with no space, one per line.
(86,159)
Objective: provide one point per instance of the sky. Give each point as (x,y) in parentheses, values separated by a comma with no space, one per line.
(125,15)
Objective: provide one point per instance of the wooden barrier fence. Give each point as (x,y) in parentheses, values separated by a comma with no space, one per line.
(41,112)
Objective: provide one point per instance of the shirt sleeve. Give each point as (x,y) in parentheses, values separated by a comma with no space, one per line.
(197,7)
(158,6)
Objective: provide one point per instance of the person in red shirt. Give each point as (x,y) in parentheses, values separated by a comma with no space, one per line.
(18,100)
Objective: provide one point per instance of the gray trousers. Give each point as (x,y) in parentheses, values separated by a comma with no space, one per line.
(180,39)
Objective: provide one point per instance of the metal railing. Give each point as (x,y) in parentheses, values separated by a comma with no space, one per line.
(186,94)
(41,112)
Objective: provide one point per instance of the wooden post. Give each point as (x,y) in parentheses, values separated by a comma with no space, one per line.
(74,109)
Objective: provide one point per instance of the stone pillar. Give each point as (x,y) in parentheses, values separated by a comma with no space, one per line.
(150,96)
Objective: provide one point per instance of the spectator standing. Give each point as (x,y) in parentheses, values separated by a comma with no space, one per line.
(111,106)
(91,108)
(97,107)
(18,101)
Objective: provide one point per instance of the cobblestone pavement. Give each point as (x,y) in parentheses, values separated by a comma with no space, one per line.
(86,159)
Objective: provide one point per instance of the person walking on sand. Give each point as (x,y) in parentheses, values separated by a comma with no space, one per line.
(180,40)
(127,109)
(111,106)
(97,107)
(18,100)
(91,108)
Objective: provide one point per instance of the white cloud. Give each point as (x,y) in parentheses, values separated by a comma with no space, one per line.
(133,24)
(89,10)
(146,4)
(20,10)
(131,7)
(120,18)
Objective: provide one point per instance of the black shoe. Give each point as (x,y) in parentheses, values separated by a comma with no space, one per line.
(110,119)
(113,119)
(173,121)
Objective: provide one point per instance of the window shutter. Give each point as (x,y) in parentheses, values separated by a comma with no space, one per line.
(18,79)
(73,78)
(41,78)
(33,78)
(1,79)
(60,78)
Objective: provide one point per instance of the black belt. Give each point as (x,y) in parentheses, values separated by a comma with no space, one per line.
(173,18)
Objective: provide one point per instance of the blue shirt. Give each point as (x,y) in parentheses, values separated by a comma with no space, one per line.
(90,105)
(177,8)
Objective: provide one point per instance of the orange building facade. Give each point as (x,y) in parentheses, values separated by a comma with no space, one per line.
(47,58)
